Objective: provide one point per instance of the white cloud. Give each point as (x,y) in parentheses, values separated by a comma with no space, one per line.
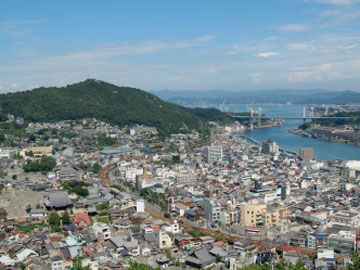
(14,86)
(293,27)
(335,2)
(18,28)
(205,38)
(266,54)
(325,67)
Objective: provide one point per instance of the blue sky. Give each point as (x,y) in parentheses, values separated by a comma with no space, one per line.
(181,45)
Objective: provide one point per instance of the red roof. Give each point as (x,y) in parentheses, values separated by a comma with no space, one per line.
(82,217)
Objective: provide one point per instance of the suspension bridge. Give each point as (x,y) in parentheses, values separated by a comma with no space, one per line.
(257,114)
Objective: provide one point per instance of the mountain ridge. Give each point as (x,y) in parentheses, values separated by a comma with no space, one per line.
(107,102)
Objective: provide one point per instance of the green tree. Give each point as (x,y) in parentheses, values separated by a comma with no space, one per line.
(355,261)
(45,164)
(66,218)
(14,177)
(168,253)
(141,266)
(78,265)
(54,221)
(96,168)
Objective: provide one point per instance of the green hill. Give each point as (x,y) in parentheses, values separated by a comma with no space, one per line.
(107,102)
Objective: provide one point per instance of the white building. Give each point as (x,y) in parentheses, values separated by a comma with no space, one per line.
(102,230)
(140,206)
(214,153)
(163,239)
(211,210)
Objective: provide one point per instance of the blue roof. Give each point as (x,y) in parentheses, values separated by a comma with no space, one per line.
(320,235)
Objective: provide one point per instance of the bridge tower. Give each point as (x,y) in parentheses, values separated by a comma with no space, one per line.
(312,112)
(251,118)
(259,117)
(304,114)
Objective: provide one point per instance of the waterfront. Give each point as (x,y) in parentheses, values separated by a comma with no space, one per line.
(322,149)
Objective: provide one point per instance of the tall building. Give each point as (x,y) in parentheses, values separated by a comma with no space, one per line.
(270,147)
(252,215)
(214,153)
(306,153)
(211,210)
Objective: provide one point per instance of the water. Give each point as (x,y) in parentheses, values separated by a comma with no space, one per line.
(324,150)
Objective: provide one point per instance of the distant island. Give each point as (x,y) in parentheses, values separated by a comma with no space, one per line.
(107,102)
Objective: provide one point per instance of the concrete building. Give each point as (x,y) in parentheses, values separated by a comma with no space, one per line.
(252,214)
(37,151)
(306,153)
(342,242)
(270,147)
(140,206)
(102,230)
(213,154)
(163,239)
(211,210)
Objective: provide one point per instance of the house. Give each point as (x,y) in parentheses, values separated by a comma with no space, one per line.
(82,220)
(102,230)
(129,244)
(37,213)
(200,259)
(67,174)
(57,263)
(244,246)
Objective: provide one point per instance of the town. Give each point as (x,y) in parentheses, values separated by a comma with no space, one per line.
(79,193)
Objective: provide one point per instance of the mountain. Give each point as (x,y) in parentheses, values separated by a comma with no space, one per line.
(107,102)
(338,98)
(298,96)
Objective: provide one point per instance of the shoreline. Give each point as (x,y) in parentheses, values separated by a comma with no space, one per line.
(303,133)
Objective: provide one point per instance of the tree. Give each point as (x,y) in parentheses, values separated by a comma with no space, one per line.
(66,218)
(54,221)
(14,177)
(96,168)
(218,258)
(141,266)
(168,253)
(77,264)
(45,164)
(355,261)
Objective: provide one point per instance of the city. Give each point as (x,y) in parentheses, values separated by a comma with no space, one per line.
(171,135)
(175,203)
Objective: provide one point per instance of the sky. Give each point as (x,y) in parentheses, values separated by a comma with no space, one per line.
(181,45)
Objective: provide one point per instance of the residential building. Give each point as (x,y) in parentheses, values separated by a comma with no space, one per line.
(211,210)
(102,230)
(213,154)
(306,153)
(270,147)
